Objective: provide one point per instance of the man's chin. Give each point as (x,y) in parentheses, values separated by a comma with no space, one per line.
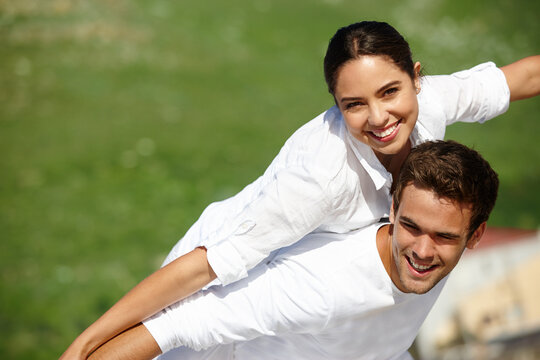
(417,286)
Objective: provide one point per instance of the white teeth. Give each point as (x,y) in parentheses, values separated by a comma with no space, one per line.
(385,132)
(418,266)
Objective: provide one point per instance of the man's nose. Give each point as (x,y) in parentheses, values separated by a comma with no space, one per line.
(424,249)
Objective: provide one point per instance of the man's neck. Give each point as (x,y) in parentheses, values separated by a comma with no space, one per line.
(384,242)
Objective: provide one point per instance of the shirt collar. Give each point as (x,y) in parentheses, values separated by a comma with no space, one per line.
(365,155)
(419,134)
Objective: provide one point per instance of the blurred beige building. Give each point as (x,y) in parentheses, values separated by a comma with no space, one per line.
(505,308)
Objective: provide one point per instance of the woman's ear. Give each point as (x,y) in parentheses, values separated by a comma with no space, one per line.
(417,68)
(476,236)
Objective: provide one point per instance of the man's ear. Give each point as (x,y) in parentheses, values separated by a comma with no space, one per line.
(391,217)
(476,236)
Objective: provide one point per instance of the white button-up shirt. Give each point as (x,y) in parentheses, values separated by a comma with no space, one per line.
(326,297)
(325,180)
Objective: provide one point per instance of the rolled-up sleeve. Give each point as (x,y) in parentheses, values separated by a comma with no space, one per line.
(474,95)
(270,302)
(292,204)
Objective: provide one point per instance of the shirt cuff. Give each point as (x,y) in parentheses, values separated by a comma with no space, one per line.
(226,262)
(495,89)
(159,327)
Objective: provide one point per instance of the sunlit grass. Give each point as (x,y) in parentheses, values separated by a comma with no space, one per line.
(120,121)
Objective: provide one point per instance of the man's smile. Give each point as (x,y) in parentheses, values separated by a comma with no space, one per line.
(419,268)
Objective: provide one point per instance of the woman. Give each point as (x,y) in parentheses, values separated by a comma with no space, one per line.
(334,174)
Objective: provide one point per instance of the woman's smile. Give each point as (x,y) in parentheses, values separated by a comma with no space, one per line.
(386,134)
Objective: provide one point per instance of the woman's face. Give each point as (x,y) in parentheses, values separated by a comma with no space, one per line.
(378,102)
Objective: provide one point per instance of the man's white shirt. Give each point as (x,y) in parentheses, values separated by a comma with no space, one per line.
(326,297)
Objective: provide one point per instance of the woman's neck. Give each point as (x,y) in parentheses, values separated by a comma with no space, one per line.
(393,162)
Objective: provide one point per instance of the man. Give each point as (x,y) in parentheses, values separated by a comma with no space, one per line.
(338,296)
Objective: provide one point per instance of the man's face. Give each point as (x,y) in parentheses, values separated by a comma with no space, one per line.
(428,237)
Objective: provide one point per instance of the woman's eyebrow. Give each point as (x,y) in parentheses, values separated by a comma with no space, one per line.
(381,89)
(390,84)
(350,98)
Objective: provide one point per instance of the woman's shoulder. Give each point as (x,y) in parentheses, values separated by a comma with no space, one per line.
(471,95)
(447,82)
(327,125)
(320,139)
(317,150)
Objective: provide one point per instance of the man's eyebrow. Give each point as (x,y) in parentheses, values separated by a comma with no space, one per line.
(407,220)
(448,235)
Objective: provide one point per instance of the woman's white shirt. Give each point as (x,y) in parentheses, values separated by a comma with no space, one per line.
(325,180)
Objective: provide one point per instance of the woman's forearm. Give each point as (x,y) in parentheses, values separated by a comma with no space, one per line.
(523,77)
(177,280)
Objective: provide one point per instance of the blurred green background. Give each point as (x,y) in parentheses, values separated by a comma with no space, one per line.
(121,120)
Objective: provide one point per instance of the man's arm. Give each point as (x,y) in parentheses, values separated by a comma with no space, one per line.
(286,296)
(523,77)
(166,286)
(135,343)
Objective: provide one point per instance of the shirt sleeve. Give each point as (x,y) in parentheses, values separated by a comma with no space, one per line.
(474,95)
(293,203)
(272,301)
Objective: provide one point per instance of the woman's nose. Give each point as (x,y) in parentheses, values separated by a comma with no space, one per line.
(378,116)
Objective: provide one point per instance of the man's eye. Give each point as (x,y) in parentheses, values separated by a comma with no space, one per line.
(409,226)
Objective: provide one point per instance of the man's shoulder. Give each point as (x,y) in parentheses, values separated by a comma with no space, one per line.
(345,268)
(323,252)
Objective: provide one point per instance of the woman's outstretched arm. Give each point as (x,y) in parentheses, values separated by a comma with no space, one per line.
(179,279)
(523,77)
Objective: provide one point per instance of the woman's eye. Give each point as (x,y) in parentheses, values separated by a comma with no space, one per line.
(353,104)
(390,91)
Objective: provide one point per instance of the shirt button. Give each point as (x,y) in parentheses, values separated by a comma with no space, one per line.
(245,227)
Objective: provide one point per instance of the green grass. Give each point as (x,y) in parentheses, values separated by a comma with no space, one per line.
(120,121)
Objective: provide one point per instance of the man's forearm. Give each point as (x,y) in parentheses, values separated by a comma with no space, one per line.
(135,343)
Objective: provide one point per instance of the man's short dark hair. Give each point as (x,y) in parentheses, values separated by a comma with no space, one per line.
(452,171)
